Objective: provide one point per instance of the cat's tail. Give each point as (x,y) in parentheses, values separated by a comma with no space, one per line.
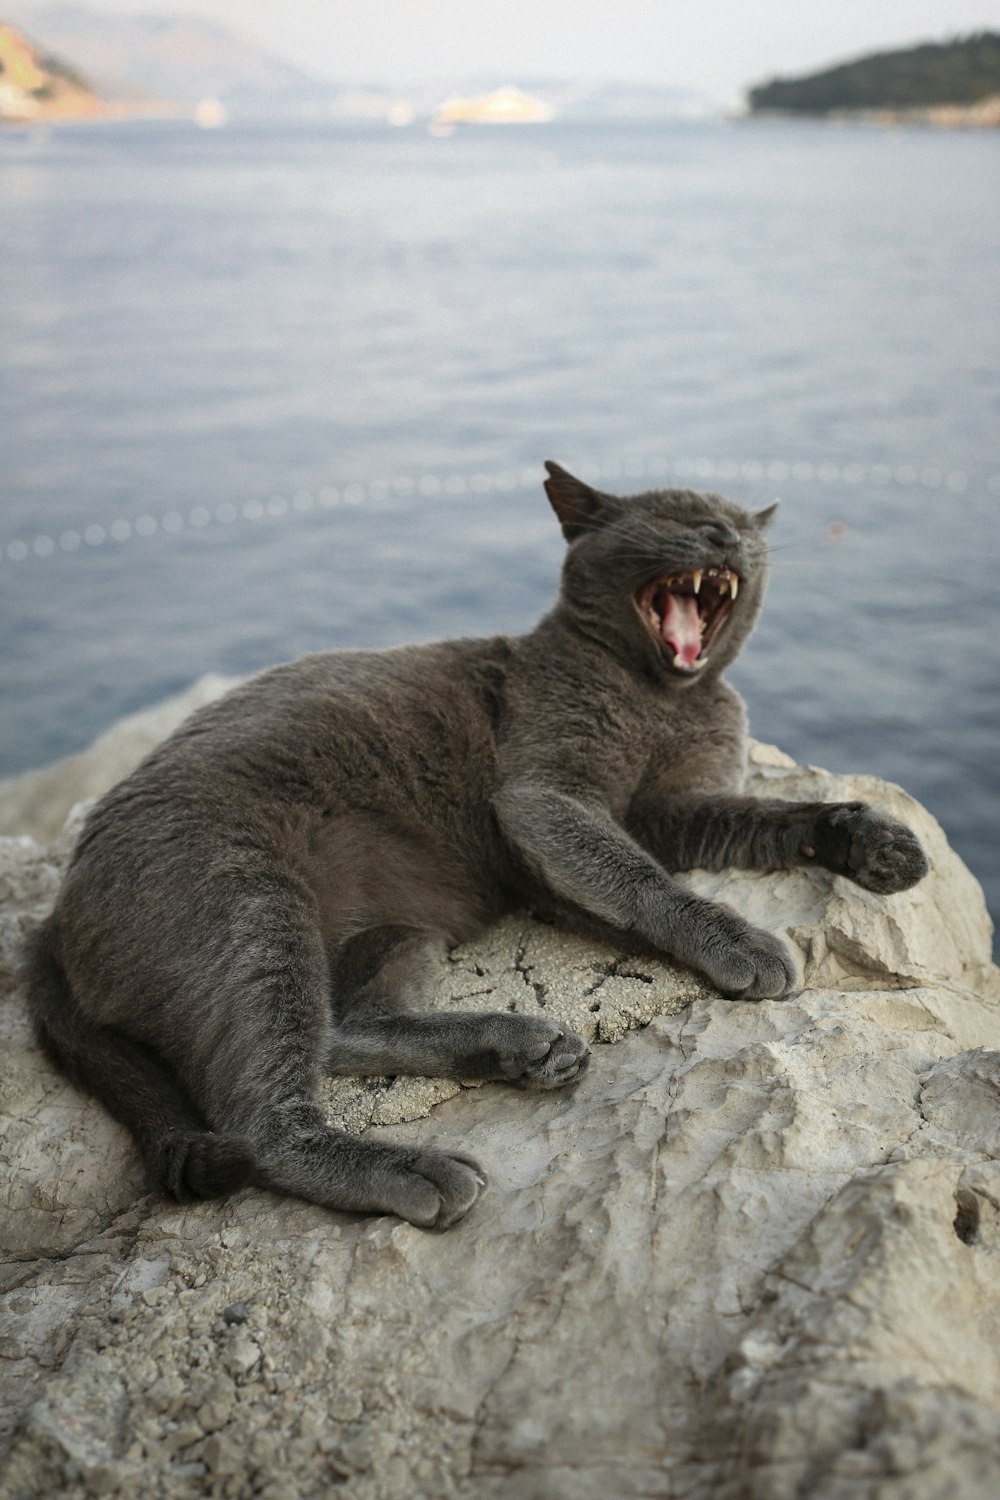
(184,1158)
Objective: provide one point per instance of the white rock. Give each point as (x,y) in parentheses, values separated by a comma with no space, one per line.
(754,1255)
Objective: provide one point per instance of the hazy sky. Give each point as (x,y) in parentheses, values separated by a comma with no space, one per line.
(712,46)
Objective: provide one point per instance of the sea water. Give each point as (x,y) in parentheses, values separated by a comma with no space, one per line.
(276,388)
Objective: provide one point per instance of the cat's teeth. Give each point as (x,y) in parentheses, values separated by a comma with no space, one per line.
(734,584)
(696,579)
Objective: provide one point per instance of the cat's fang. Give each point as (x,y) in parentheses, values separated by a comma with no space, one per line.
(685,613)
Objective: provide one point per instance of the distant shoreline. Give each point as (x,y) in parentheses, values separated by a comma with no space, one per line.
(982,116)
(923,121)
(114,114)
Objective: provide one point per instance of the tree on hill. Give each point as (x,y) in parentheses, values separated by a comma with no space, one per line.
(963,71)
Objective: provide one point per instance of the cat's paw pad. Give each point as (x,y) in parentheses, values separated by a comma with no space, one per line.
(872,849)
(541,1054)
(754,966)
(433,1190)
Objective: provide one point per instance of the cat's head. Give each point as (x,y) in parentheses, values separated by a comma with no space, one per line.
(671,580)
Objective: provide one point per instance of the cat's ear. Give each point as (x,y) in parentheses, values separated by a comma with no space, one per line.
(578,507)
(763,518)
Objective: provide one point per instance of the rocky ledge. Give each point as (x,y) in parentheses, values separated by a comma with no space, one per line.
(754,1255)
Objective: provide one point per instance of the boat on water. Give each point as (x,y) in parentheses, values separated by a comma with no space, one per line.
(209,114)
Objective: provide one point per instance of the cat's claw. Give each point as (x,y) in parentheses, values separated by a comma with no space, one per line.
(870,848)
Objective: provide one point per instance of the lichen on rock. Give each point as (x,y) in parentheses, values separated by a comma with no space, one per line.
(754,1254)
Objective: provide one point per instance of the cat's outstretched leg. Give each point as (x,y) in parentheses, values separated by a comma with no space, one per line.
(383,970)
(749,833)
(300,1153)
(572,842)
(262,1085)
(574,845)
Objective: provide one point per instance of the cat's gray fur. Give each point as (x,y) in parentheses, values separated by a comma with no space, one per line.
(258,901)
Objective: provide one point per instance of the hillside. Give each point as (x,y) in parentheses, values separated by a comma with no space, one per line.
(168,56)
(963,72)
(35,85)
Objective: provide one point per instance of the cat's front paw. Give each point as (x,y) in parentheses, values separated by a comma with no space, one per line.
(433,1190)
(750,964)
(870,848)
(540,1054)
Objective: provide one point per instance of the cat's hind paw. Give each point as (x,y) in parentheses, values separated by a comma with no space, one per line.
(870,848)
(540,1054)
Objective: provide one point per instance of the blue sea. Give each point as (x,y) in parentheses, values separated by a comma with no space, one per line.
(275,388)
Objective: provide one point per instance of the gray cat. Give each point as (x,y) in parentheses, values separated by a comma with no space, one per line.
(259,901)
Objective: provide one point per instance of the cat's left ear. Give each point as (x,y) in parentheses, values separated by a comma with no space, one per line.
(763,518)
(578,507)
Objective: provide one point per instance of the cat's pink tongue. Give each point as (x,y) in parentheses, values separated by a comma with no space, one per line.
(680,628)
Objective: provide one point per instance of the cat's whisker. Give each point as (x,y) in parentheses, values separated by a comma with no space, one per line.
(800,541)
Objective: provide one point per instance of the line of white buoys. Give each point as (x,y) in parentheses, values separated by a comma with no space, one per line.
(660,470)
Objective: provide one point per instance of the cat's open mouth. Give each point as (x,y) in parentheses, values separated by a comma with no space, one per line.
(686,611)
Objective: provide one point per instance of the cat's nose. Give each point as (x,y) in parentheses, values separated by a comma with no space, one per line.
(721,533)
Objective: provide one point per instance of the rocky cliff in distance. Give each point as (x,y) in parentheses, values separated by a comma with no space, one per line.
(754,1255)
(37,86)
(169,56)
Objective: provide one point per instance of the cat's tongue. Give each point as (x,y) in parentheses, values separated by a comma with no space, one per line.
(681,627)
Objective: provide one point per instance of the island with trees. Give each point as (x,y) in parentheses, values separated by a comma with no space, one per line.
(940,83)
